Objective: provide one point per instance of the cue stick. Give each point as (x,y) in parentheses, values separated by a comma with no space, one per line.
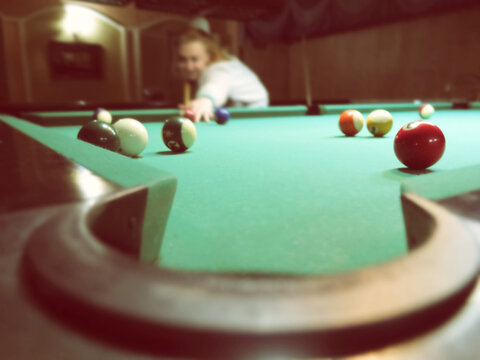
(186,94)
(306,73)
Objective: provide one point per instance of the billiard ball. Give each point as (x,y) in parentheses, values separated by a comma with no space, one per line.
(100,134)
(379,122)
(189,114)
(133,136)
(419,144)
(222,115)
(426,111)
(102,115)
(350,122)
(179,134)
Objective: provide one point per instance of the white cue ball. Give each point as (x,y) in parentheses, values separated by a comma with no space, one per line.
(426,111)
(133,136)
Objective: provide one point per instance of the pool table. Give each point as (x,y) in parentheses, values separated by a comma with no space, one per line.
(273,236)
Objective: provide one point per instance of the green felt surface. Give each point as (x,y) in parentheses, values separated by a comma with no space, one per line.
(292,195)
(444,185)
(278,197)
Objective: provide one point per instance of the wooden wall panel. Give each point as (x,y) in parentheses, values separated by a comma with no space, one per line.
(4,96)
(227,32)
(150,61)
(429,58)
(158,52)
(3,73)
(15,8)
(127,15)
(15,76)
(272,64)
(40,21)
(40,29)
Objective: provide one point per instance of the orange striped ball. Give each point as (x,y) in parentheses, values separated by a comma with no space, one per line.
(350,122)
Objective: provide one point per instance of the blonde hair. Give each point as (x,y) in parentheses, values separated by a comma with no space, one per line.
(213,47)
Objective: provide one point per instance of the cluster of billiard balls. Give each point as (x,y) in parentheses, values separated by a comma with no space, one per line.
(130,137)
(418,144)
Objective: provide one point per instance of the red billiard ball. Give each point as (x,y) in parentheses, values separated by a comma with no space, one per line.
(189,114)
(419,144)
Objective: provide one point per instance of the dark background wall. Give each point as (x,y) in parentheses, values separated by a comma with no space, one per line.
(430,58)
(427,58)
(3,68)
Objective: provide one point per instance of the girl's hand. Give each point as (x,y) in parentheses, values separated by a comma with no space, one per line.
(203,109)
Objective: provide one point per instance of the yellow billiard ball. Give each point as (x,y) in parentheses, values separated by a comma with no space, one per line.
(379,122)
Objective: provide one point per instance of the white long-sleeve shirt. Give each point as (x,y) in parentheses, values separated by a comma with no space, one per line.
(233,82)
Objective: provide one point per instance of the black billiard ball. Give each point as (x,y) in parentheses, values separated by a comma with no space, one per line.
(100,134)
(179,133)
(222,115)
